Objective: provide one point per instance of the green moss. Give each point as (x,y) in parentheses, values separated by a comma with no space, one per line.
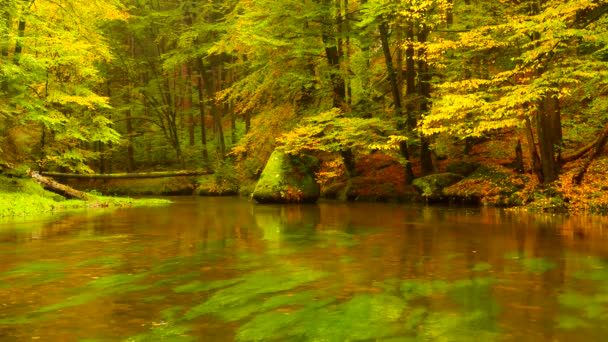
(287,179)
(25,197)
(238,301)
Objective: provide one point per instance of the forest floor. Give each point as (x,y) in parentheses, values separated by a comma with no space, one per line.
(24,197)
(504,187)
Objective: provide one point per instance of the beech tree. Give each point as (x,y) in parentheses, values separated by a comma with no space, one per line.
(545,55)
(49,79)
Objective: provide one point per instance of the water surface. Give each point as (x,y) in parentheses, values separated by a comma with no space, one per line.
(223,269)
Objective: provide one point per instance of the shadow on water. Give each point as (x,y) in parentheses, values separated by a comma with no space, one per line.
(228,269)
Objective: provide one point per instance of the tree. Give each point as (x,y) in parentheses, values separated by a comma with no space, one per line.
(49,75)
(544,55)
(414,20)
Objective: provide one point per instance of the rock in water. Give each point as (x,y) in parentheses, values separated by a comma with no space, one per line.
(288,179)
(431,187)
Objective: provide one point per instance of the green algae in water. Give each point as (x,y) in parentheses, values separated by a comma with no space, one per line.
(177,279)
(34,267)
(443,326)
(155,298)
(538,265)
(118,283)
(482,266)
(531,264)
(116,280)
(201,286)
(252,286)
(593,307)
(275,325)
(81,299)
(110,261)
(167,332)
(167,329)
(38,272)
(567,322)
(341,239)
(412,289)
(363,317)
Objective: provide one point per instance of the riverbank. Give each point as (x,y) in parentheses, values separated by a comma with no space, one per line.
(24,197)
(477,181)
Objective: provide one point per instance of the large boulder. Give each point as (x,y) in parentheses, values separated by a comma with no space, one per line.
(431,187)
(288,179)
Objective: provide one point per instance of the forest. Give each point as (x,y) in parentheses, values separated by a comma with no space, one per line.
(492,102)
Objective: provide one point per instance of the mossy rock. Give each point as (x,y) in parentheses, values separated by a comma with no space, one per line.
(288,179)
(431,186)
(462,168)
(489,185)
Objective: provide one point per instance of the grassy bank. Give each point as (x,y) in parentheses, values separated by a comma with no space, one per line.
(24,197)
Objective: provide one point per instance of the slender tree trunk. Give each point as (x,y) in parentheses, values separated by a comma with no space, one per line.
(189,99)
(230,108)
(396,95)
(129,124)
(347,53)
(392,76)
(536,167)
(333,56)
(130,149)
(217,116)
(201,109)
(424,85)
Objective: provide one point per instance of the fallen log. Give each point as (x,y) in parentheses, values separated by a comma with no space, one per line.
(59,188)
(600,144)
(127,175)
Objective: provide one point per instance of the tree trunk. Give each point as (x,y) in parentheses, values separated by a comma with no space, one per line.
(58,188)
(187,105)
(519,158)
(392,76)
(536,166)
(349,163)
(333,57)
(201,109)
(599,145)
(549,133)
(128,175)
(217,117)
(424,87)
(130,150)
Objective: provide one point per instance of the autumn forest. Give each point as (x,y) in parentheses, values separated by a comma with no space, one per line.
(494,102)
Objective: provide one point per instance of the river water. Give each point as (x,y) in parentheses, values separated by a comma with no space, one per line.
(224,269)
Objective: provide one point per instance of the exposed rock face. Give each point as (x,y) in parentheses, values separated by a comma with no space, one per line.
(431,187)
(288,179)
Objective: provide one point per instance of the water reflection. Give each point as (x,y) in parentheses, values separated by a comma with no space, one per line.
(226,269)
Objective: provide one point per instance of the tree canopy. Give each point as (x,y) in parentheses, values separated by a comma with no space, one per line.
(140,85)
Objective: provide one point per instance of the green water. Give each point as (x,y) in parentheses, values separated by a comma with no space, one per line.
(226,269)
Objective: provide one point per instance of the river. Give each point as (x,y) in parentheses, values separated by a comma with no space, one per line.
(224,269)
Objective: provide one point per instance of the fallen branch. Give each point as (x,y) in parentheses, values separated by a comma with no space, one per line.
(598,147)
(128,175)
(570,157)
(59,188)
